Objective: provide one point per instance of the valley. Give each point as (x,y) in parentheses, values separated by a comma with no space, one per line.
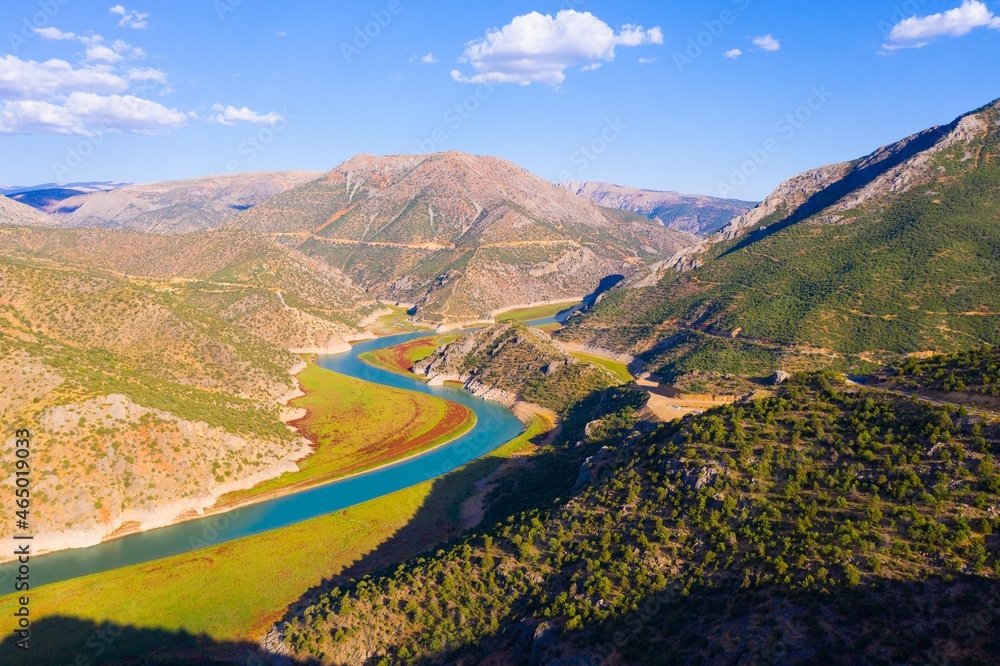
(434,409)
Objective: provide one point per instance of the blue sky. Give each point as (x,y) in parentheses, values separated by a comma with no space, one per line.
(719,97)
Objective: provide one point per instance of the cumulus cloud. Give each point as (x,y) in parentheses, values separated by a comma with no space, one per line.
(147,75)
(767,43)
(230,115)
(27,79)
(130,18)
(124,113)
(53,97)
(36,117)
(80,111)
(733,53)
(54,33)
(539,48)
(916,32)
(102,54)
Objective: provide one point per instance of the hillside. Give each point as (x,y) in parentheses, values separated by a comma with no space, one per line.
(144,407)
(887,255)
(294,301)
(818,526)
(174,207)
(15,213)
(508,362)
(459,236)
(693,213)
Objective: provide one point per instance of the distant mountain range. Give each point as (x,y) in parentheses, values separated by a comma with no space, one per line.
(178,206)
(892,253)
(693,213)
(92,186)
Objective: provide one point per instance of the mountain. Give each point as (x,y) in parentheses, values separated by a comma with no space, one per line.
(246,279)
(693,213)
(142,405)
(893,253)
(17,214)
(824,525)
(508,362)
(88,186)
(173,207)
(459,236)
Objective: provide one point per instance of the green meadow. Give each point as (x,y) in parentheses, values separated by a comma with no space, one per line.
(234,591)
(357,426)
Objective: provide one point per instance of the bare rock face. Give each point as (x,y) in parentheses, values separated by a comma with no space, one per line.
(779,378)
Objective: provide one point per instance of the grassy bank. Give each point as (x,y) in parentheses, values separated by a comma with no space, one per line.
(357,426)
(234,591)
(537,312)
(617,367)
(401,358)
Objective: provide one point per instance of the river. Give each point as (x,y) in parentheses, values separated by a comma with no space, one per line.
(495,426)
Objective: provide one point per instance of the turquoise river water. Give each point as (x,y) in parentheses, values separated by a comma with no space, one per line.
(495,426)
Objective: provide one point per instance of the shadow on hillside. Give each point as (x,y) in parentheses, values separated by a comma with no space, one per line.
(855,180)
(67,640)
(435,523)
(605,284)
(888,622)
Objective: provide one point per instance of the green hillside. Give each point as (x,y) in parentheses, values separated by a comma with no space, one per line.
(820,506)
(900,273)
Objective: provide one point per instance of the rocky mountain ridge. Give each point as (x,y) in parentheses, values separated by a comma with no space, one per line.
(693,213)
(832,191)
(457,236)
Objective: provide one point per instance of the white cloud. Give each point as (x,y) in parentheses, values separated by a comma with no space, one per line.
(30,80)
(634,35)
(538,48)
(733,53)
(916,32)
(767,43)
(130,18)
(229,115)
(124,113)
(128,51)
(591,67)
(646,61)
(35,117)
(429,59)
(113,113)
(102,54)
(147,75)
(54,33)
(281,34)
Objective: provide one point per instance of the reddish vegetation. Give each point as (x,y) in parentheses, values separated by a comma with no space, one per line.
(333,219)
